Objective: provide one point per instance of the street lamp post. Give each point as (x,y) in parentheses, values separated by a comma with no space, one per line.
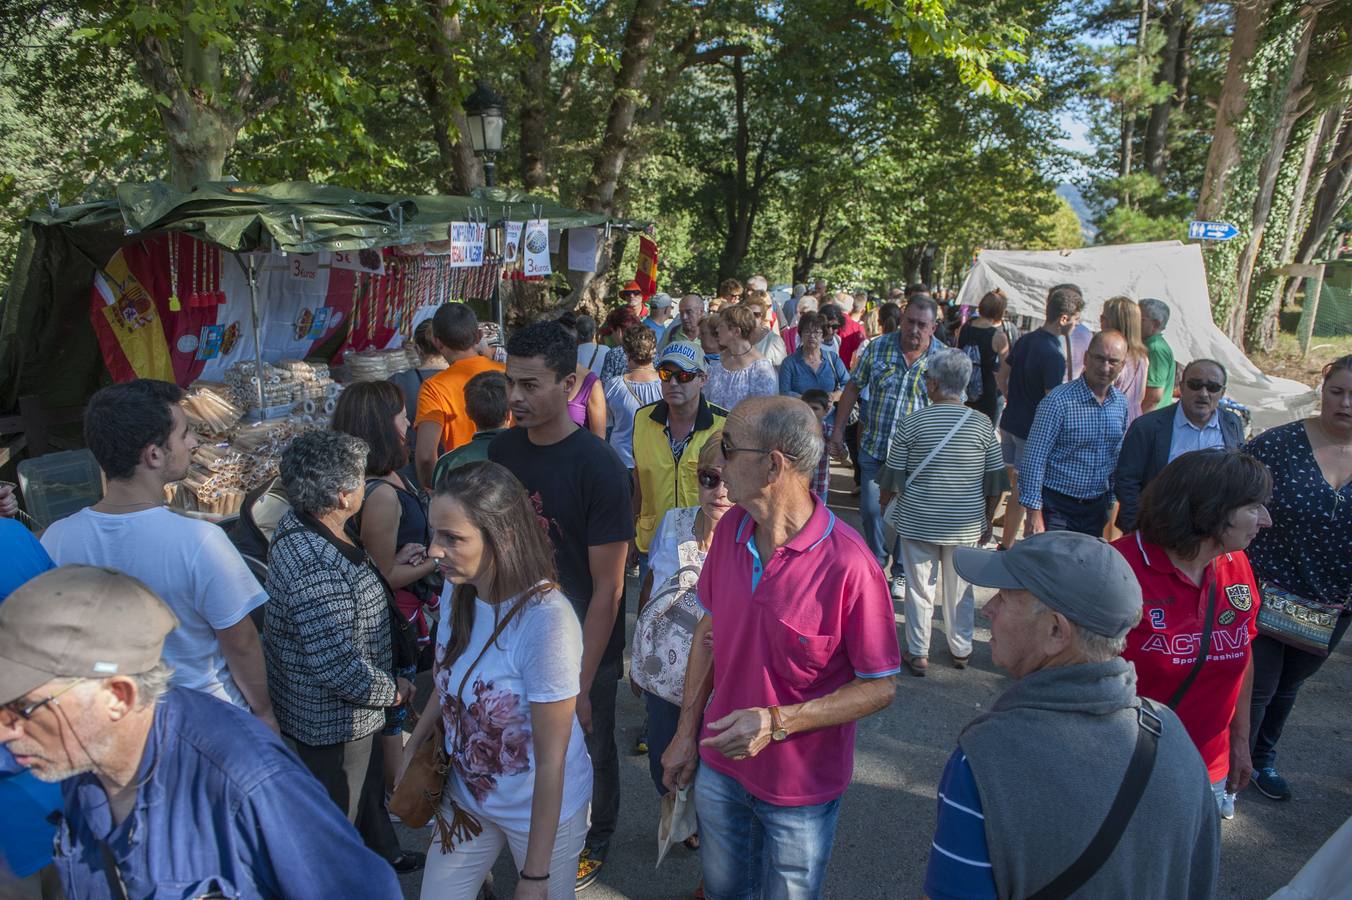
(483,110)
(484,113)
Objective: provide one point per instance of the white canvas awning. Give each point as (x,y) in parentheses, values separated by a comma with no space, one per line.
(1167,270)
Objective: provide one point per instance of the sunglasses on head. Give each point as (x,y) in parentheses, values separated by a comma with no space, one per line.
(1196,384)
(681,375)
(710,478)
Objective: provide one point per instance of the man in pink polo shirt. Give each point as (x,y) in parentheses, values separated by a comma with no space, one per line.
(803,644)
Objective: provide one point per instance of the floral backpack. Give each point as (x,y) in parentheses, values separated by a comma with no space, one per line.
(666,624)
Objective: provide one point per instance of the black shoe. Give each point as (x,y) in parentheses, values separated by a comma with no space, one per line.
(408,861)
(1270,784)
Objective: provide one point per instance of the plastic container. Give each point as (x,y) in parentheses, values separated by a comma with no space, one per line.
(56,485)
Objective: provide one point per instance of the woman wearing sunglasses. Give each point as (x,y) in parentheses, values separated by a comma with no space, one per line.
(676,554)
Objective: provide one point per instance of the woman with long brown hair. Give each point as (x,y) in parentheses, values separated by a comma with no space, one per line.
(507,674)
(1122,314)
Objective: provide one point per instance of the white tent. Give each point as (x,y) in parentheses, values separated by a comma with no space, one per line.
(1167,270)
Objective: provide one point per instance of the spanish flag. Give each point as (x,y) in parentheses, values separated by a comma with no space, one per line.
(127,322)
(646,276)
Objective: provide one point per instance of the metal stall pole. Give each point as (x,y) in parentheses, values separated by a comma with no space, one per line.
(251,272)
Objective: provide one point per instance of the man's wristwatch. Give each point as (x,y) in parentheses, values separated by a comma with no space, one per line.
(777,730)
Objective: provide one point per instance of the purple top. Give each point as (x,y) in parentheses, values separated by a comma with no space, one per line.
(577,407)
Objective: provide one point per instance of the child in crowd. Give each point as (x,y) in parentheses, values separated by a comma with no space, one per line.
(486,404)
(820,401)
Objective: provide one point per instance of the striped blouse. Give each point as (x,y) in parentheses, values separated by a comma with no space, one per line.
(947,502)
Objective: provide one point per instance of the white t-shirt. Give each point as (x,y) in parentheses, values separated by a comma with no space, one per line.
(190,564)
(536,659)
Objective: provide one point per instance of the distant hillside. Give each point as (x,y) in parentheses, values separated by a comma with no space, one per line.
(1072,196)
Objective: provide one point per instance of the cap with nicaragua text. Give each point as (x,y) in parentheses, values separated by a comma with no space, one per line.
(686,355)
(79,622)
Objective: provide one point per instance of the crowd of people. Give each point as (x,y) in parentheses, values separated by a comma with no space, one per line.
(176,728)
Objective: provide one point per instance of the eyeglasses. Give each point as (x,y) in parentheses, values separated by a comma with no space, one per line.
(1196,384)
(681,375)
(628,294)
(26,712)
(728,449)
(709,478)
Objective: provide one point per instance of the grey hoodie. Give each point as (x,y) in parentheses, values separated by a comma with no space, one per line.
(1048,760)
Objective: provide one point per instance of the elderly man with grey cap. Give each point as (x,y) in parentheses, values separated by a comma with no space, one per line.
(1071,785)
(659,313)
(167,792)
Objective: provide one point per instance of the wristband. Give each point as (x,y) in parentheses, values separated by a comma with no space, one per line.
(525,877)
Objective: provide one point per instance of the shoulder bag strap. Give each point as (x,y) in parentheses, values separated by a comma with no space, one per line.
(116,888)
(1202,651)
(497,632)
(939,447)
(1101,846)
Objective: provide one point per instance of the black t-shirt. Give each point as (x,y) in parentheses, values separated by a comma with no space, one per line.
(581,491)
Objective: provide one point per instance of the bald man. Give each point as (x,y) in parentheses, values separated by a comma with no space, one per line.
(773,751)
(1066,481)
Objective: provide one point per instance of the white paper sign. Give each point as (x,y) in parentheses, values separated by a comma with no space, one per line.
(360,260)
(467,245)
(512,241)
(303,266)
(582,249)
(535,246)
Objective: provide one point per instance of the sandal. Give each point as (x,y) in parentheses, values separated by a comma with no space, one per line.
(918,665)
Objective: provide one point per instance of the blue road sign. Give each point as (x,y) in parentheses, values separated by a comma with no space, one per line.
(1211,231)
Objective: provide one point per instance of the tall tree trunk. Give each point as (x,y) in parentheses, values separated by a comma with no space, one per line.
(1294,92)
(461,170)
(1322,141)
(599,194)
(1173,70)
(1223,154)
(534,118)
(1335,184)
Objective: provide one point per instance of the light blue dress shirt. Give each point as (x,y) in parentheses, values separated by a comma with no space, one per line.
(1188,437)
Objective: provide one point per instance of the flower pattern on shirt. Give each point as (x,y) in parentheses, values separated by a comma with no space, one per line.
(490,736)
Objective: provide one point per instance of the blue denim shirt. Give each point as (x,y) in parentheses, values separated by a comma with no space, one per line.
(223,805)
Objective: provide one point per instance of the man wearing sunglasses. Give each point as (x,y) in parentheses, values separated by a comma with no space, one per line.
(668,437)
(1157,438)
(804,645)
(165,790)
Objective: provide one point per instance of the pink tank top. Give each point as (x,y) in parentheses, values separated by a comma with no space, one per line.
(577,407)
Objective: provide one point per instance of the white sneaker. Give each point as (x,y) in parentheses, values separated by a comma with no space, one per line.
(1228,806)
(899,587)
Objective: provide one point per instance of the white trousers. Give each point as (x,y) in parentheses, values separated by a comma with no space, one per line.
(459,874)
(930,572)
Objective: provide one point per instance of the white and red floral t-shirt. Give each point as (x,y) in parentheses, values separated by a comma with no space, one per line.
(536,659)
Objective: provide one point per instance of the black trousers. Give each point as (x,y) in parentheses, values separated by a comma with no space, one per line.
(1278,672)
(353,775)
(605,756)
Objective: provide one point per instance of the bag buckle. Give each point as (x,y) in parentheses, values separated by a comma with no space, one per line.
(1147,719)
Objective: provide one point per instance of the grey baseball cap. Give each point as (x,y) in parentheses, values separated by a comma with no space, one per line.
(660,300)
(1079,576)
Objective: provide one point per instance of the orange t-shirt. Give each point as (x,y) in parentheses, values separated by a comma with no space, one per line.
(442,400)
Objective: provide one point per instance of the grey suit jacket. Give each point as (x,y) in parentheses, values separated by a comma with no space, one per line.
(1145,451)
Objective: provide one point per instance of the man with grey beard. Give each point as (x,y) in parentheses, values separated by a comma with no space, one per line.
(165,791)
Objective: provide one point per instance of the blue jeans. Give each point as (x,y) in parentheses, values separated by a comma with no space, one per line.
(663,717)
(751,849)
(1062,512)
(870,510)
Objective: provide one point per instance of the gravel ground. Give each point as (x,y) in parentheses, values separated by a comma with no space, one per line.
(887,816)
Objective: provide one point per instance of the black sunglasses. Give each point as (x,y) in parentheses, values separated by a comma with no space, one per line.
(26,711)
(709,478)
(728,449)
(1196,384)
(681,375)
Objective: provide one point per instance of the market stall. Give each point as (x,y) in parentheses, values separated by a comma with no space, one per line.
(259,299)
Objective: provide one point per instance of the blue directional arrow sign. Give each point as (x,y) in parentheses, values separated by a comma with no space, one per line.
(1211,231)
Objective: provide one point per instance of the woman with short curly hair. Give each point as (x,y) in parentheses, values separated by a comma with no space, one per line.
(327,632)
(638,387)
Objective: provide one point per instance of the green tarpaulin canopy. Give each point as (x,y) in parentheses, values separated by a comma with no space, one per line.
(47,345)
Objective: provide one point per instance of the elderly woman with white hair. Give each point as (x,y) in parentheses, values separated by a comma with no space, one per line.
(946,474)
(806,304)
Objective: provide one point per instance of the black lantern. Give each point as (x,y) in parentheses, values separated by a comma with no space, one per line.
(483,110)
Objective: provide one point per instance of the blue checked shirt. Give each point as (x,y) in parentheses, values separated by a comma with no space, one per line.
(895,390)
(1073,445)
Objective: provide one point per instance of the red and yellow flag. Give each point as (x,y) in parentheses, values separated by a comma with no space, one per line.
(128,325)
(646,276)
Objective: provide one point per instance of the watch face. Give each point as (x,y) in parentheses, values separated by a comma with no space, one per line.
(779,735)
